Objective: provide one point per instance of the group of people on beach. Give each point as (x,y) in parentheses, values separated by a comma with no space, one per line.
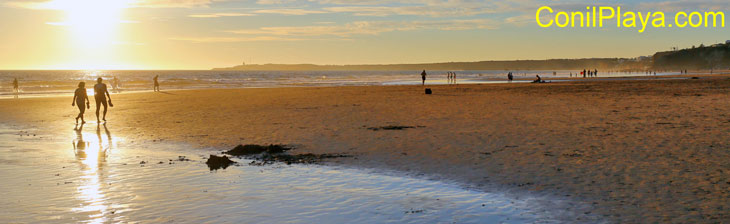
(589,73)
(451,77)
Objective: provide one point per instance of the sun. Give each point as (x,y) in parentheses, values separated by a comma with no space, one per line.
(93,26)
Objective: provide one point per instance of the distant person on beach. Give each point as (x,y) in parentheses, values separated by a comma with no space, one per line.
(16,89)
(595,72)
(157,84)
(79,97)
(510,77)
(584,73)
(115,83)
(423,78)
(538,80)
(100,94)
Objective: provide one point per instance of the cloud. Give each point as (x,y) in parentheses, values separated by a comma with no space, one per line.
(289,11)
(232,39)
(521,20)
(172,3)
(274,2)
(56,4)
(217,15)
(344,32)
(369,28)
(432,11)
(429,8)
(685,5)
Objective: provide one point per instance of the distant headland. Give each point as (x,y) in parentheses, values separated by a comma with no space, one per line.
(716,56)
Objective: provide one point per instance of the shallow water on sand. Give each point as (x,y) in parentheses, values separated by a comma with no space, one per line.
(89,175)
(54,82)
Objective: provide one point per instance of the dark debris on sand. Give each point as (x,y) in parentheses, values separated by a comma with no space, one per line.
(219,162)
(393,127)
(307,158)
(246,150)
(263,155)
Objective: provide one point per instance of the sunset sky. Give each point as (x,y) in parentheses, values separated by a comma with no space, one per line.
(202,34)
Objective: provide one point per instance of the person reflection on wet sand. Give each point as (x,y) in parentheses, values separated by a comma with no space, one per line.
(82,147)
(79,144)
(103,149)
(92,190)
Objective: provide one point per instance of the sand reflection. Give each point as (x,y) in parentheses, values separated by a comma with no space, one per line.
(91,152)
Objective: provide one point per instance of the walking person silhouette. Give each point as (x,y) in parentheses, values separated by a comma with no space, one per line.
(16,89)
(423,77)
(157,84)
(79,97)
(100,95)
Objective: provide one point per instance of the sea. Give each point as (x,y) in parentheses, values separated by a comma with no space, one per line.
(53,82)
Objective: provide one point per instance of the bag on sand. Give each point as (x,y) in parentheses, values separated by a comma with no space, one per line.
(428,91)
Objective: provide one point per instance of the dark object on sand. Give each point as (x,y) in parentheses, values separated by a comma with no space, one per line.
(218,162)
(307,158)
(243,150)
(393,127)
(695,78)
(263,155)
(428,91)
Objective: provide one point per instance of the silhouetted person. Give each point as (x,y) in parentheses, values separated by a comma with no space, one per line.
(584,73)
(79,97)
(100,94)
(16,89)
(538,80)
(423,77)
(595,72)
(115,83)
(510,77)
(157,84)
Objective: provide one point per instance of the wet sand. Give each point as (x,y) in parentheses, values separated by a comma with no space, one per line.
(628,150)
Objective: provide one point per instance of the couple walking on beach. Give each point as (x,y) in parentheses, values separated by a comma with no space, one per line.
(100,95)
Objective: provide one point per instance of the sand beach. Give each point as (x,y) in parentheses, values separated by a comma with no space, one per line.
(631,151)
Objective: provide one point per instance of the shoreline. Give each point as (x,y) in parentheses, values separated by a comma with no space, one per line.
(547,138)
(431,82)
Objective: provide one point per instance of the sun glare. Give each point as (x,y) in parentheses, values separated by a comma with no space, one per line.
(93,25)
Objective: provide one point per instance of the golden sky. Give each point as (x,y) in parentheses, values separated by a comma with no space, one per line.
(202,34)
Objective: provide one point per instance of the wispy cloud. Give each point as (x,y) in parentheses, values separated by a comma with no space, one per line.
(289,11)
(52,4)
(274,2)
(344,32)
(232,39)
(217,15)
(685,5)
(173,3)
(370,28)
